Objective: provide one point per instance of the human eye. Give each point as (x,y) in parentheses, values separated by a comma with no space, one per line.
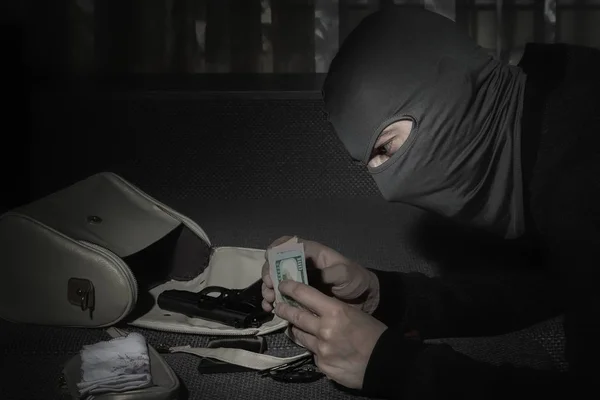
(387,148)
(390,141)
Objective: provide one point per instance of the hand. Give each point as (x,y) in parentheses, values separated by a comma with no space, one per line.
(349,281)
(341,337)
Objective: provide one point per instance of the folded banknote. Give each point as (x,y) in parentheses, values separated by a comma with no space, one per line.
(287,261)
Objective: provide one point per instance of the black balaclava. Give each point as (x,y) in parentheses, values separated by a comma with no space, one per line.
(462,157)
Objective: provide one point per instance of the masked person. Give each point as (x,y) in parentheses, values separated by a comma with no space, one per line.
(510,150)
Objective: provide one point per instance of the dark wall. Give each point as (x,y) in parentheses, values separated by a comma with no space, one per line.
(14,75)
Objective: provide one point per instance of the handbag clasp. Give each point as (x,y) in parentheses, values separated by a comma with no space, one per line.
(80,292)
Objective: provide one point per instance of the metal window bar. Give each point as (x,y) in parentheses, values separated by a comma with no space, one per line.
(550,21)
(217,41)
(446,8)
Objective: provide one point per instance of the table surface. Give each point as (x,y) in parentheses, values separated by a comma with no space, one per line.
(374,233)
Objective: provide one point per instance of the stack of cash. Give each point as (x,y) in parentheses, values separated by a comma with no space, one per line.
(287,261)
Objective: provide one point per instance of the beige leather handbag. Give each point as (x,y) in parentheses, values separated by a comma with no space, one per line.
(102,251)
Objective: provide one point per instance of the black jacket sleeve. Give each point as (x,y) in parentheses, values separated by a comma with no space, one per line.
(467,304)
(415,306)
(401,368)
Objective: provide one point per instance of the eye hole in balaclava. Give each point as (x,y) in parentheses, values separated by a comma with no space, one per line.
(389,142)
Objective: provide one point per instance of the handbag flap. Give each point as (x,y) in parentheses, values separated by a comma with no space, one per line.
(104,210)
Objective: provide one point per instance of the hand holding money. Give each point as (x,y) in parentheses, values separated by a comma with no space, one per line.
(287,262)
(335,329)
(348,280)
(340,336)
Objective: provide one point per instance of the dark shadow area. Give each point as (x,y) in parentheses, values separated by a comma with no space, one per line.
(184,393)
(179,255)
(459,248)
(144,304)
(351,392)
(14,156)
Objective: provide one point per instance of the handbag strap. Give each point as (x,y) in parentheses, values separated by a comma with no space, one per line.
(240,357)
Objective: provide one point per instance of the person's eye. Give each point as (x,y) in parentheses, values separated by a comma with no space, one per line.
(393,139)
(385,148)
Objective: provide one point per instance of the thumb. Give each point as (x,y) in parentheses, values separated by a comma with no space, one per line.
(348,282)
(337,275)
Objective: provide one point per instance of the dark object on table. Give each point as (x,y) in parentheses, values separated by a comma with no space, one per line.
(302,370)
(240,308)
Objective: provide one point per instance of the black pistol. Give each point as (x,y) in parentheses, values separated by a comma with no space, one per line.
(240,308)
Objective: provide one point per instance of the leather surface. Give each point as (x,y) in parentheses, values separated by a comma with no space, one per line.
(55,254)
(127,221)
(38,263)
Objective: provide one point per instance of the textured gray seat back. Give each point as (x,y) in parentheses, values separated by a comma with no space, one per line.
(187,145)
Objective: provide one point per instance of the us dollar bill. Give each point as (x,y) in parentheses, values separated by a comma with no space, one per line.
(287,261)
